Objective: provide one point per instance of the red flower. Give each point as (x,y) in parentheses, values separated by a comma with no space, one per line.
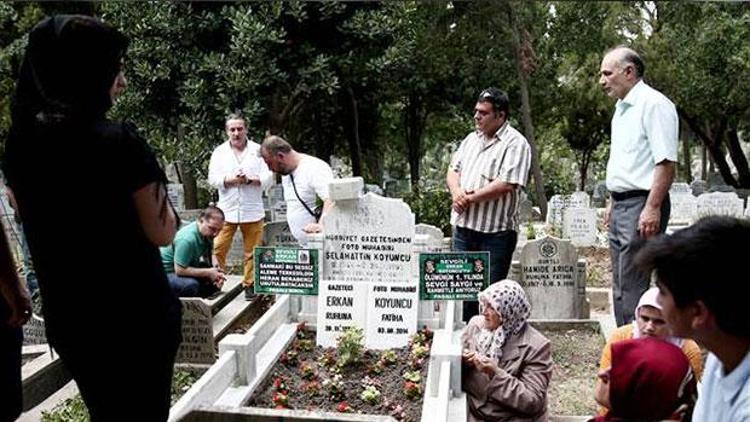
(344,407)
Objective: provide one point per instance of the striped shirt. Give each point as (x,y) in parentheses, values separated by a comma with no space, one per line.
(479,161)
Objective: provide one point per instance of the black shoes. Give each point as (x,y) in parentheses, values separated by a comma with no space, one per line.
(249,293)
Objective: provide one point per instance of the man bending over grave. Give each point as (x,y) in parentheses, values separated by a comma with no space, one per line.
(190,266)
(704,288)
(486,179)
(305,181)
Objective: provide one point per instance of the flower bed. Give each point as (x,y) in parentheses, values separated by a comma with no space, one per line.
(348,378)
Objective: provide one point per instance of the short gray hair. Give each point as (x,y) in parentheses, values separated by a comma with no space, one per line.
(628,56)
(276,144)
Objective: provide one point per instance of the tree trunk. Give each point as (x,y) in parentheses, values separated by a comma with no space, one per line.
(187,177)
(712,140)
(583,169)
(738,157)
(413,128)
(704,162)
(686,159)
(528,126)
(355,149)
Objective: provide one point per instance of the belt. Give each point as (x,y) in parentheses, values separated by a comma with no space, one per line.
(621,196)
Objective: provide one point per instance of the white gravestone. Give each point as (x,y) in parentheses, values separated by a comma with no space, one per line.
(391,315)
(549,277)
(720,203)
(555,206)
(579,200)
(369,239)
(434,235)
(683,205)
(278,234)
(34,331)
(278,211)
(579,225)
(340,306)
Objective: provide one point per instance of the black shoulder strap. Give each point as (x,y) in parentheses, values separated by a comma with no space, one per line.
(291,177)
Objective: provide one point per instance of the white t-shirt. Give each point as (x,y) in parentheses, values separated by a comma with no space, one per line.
(311,178)
(644,133)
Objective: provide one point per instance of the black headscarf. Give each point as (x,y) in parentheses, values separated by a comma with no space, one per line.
(70,64)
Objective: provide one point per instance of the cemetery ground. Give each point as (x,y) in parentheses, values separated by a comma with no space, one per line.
(348,378)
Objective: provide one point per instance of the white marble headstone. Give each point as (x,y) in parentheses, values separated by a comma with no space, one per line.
(549,277)
(579,225)
(720,203)
(340,305)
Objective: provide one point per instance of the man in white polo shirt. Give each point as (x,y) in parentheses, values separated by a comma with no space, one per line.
(305,181)
(486,179)
(240,175)
(640,171)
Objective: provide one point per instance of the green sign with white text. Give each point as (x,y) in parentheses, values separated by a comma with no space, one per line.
(286,271)
(453,275)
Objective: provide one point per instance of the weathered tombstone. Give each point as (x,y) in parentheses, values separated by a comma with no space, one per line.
(600,194)
(236,255)
(698,187)
(555,206)
(524,209)
(176,194)
(721,187)
(197,333)
(719,203)
(34,331)
(434,235)
(579,200)
(275,194)
(278,211)
(374,189)
(579,225)
(188,216)
(340,305)
(278,234)
(682,204)
(549,276)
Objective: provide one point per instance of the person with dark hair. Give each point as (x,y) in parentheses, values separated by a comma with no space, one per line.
(648,380)
(486,179)
(240,176)
(704,288)
(15,310)
(640,171)
(94,204)
(189,260)
(305,180)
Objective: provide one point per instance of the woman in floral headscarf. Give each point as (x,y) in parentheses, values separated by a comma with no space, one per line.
(507,363)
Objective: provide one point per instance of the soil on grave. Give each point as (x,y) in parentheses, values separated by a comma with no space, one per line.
(575,355)
(74,409)
(390,384)
(598,266)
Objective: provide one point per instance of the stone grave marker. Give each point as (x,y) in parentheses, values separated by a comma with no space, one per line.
(434,234)
(555,206)
(197,333)
(369,239)
(579,225)
(391,315)
(34,331)
(524,209)
(698,186)
(600,195)
(579,200)
(278,234)
(682,204)
(340,305)
(719,203)
(176,193)
(188,216)
(549,277)
(236,255)
(278,211)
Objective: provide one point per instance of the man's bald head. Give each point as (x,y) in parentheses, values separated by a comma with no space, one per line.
(626,56)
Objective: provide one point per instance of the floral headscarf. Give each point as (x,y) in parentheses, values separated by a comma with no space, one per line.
(507,298)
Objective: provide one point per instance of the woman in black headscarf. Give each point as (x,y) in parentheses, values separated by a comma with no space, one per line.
(93,201)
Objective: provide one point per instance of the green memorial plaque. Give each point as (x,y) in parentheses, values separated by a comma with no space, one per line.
(286,271)
(453,275)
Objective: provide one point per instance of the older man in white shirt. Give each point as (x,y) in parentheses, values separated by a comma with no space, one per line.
(240,175)
(640,171)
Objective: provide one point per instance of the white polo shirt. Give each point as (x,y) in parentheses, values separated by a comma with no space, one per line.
(644,133)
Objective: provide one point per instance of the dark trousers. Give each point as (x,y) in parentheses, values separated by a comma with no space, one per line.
(500,245)
(10,368)
(190,287)
(629,283)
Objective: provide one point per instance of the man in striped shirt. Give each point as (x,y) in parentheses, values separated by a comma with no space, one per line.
(486,179)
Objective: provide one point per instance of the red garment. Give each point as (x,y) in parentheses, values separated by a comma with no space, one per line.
(648,380)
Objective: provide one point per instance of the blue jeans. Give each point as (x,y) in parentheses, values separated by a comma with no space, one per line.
(500,245)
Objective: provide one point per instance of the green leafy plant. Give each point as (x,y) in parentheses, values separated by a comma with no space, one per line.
(327,359)
(289,358)
(420,351)
(334,386)
(312,388)
(413,376)
(370,395)
(307,370)
(412,390)
(304,345)
(350,346)
(530,232)
(389,357)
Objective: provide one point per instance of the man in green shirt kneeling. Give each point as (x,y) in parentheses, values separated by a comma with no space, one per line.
(189,262)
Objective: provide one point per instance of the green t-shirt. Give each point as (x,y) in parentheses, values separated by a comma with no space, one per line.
(189,249)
